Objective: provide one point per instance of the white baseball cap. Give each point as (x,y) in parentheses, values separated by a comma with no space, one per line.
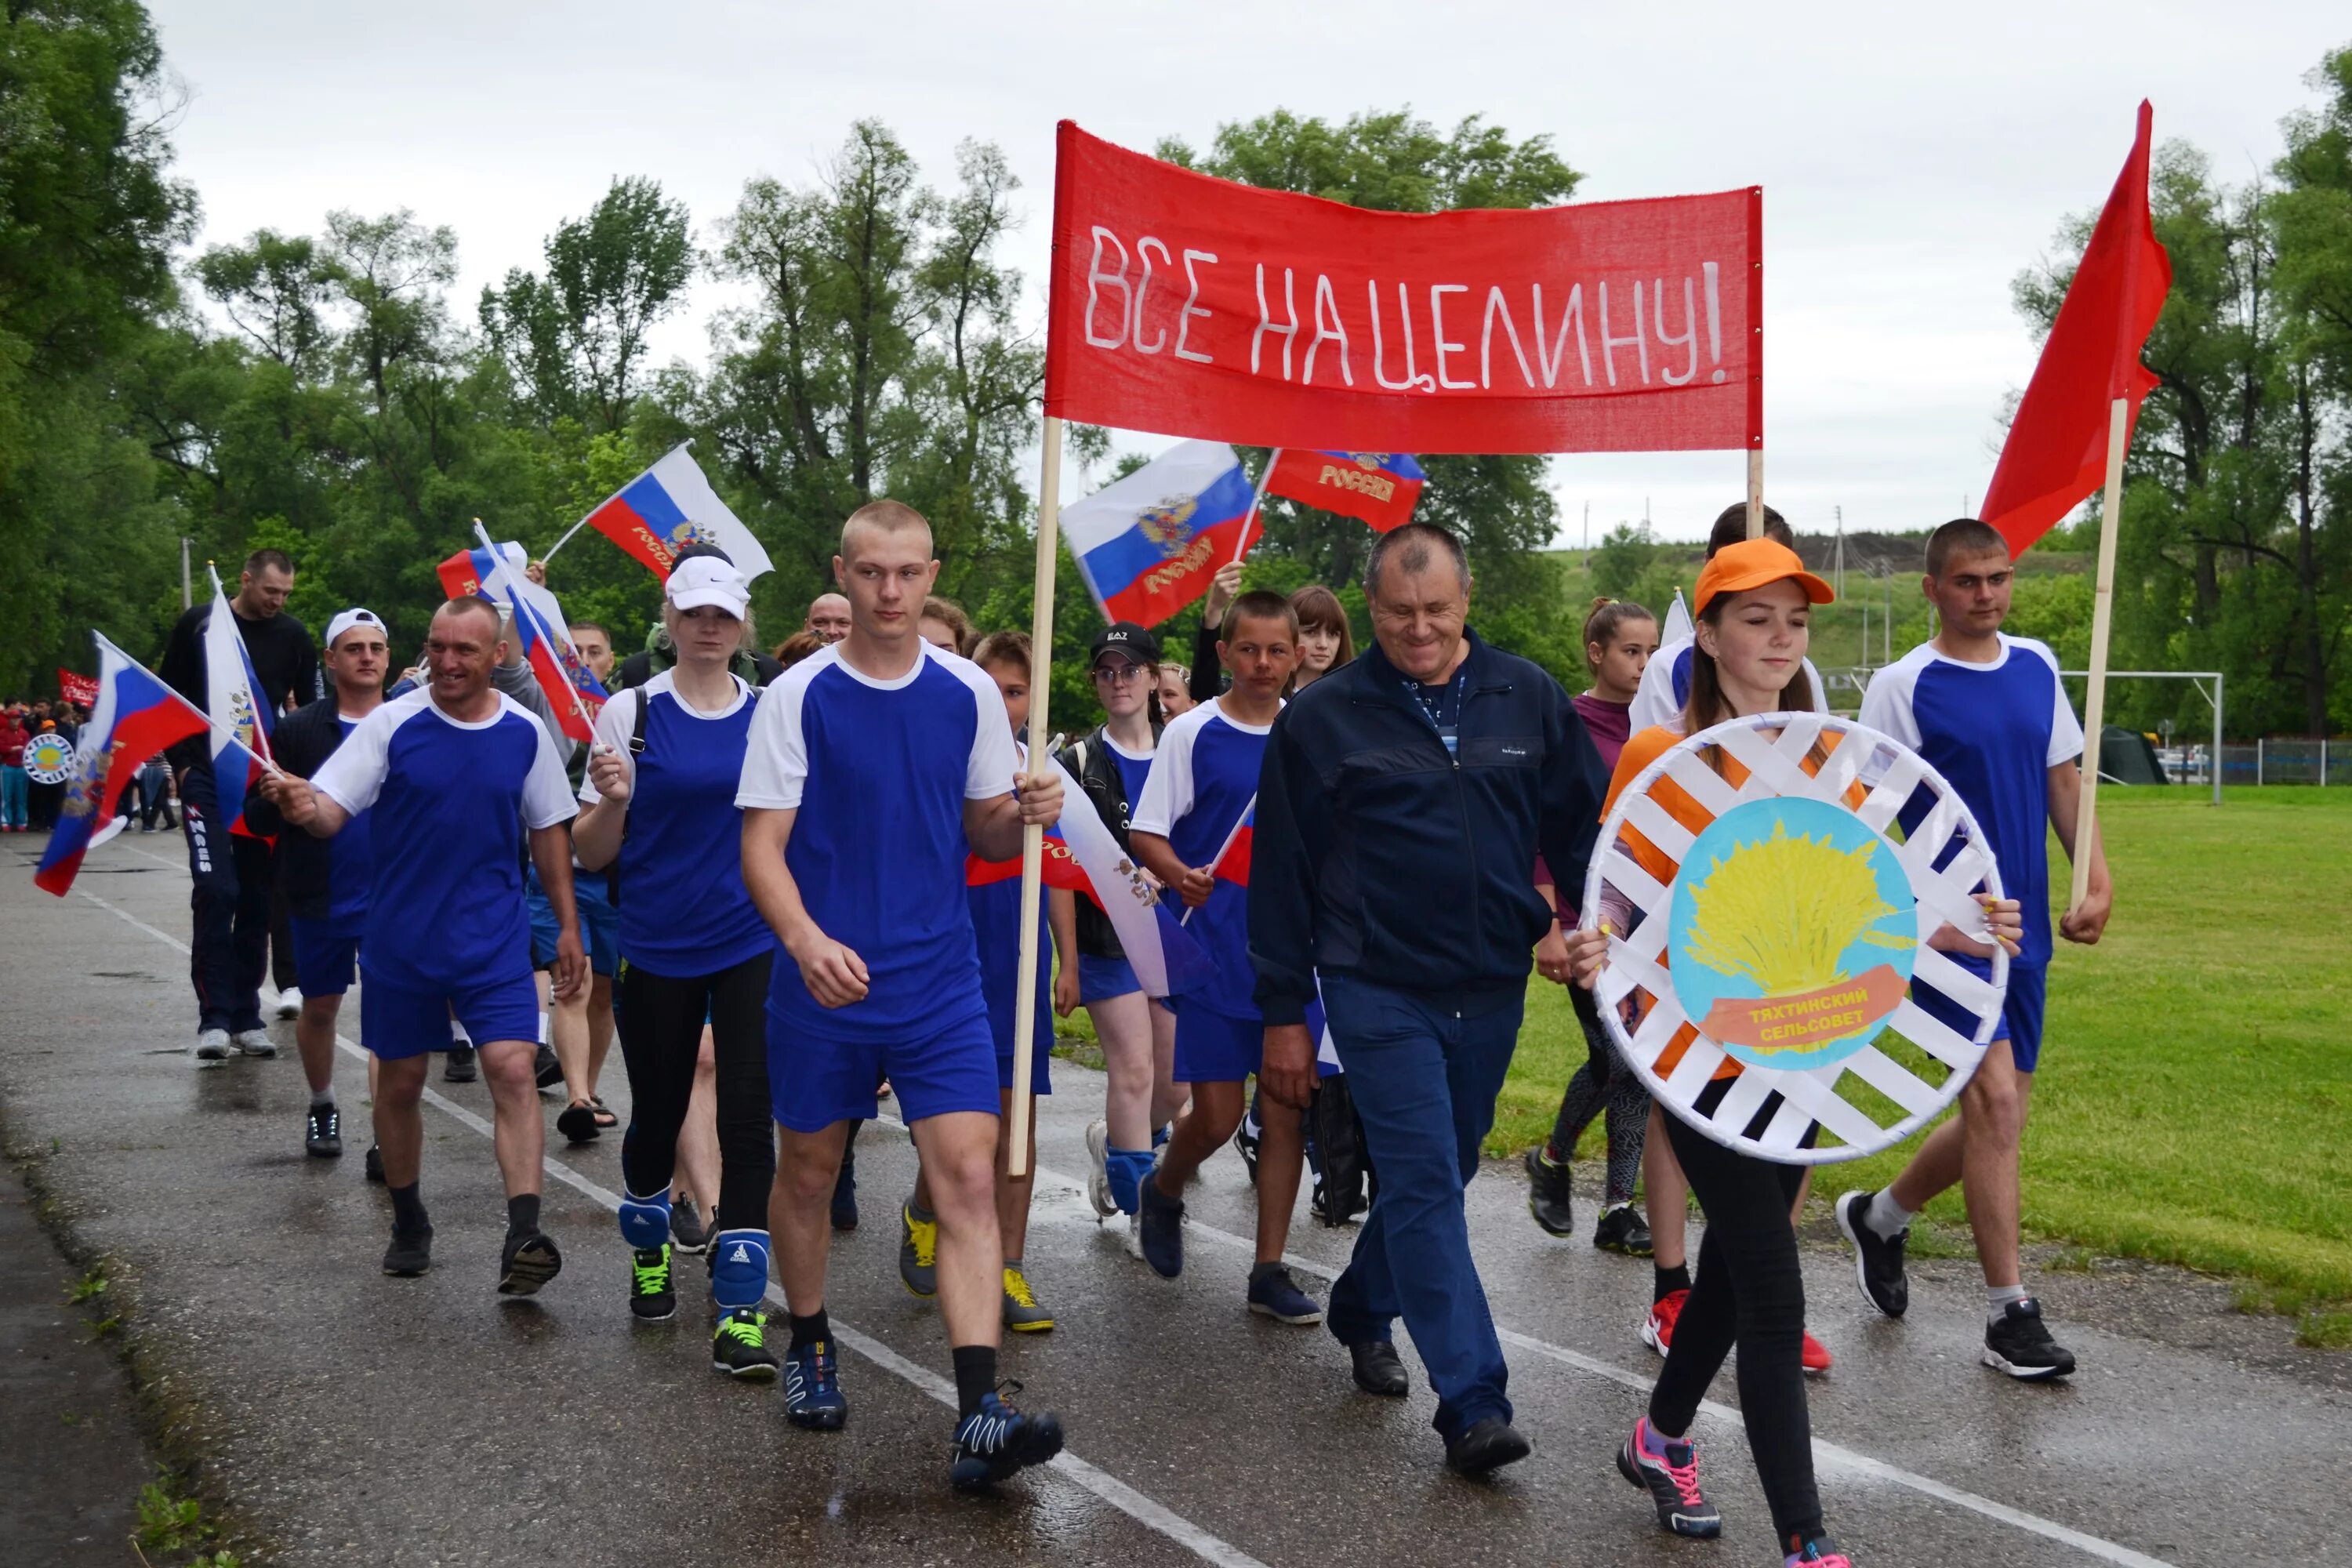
(347,620)
(705,582)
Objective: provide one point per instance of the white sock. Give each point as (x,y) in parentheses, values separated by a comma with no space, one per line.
(1885,1218)
(1997,1300)
(320,1097)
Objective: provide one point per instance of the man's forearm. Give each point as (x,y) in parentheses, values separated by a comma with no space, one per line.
(994,827)
(769,881)
(1157,856)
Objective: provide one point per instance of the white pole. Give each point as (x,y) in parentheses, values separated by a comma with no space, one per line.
(2217,737)
(562,542)
(2103,604)
(1033,837)
(1241,544)
(2258,759)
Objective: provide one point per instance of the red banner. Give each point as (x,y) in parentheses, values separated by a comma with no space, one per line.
(78,690)
(1191,306)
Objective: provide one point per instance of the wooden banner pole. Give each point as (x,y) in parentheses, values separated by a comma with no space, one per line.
(2103,603)
(1033,837)
(1755,491)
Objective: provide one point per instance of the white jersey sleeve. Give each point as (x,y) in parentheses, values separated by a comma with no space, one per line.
(1654,700)
(546,791)
(1887,705)
(775,760)
(988,771)
(2066,741)
(1167,789)
(355,775)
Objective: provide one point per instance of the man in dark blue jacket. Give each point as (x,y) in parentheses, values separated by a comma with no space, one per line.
(1401,809)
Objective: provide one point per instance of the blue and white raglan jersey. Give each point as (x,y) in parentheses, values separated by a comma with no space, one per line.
(1665,687)
(449,802)
(1994,730)
(684,908)
(1204,776)
(879,771)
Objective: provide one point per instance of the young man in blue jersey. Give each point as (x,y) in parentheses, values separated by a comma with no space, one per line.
(1203,786)
(325,884)
(874,768)
(1989,711)
(461,767)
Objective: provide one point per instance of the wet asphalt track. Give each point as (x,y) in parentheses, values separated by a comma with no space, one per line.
(348,1417)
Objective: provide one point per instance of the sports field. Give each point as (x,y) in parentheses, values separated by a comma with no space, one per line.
(2197,1080)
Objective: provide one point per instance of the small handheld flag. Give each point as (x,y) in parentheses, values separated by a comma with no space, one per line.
(1376,488)
(670,506)
(134,716)
(571,689)
(1167,958)
(1149,544)
(240,720)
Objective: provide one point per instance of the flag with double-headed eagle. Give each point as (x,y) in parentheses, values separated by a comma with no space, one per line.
(670,506)
(133,717)
(540,632)
(1149,544)
(1375,488)
(241,720)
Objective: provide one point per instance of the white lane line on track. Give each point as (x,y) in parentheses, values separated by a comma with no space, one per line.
(1104,1486)
(1828,1457)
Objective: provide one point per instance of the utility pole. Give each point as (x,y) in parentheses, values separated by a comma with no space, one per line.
(1837,564)
(1588,528)
(187,588)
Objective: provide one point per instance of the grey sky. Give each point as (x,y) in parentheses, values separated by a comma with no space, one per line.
(1913,158)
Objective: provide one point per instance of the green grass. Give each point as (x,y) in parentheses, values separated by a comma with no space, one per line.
(2195,1082)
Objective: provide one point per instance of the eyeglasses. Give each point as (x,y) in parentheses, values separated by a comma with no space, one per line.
(1119,674)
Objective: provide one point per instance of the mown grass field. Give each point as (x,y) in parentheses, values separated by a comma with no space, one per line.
(2196,1089)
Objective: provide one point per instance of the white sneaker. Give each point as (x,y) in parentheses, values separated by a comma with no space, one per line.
(1135,1236)
(255,1043)
(212,1045)
(289,1003)
(1098,1179)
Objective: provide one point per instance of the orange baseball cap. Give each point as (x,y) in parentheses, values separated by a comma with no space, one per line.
(1751,563)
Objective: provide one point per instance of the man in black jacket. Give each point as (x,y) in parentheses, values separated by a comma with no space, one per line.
(325,881)
(1402,804)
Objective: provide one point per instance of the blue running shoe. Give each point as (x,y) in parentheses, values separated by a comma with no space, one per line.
(996,1440)
(1273,1293)
(812,1388)
(1159,1230)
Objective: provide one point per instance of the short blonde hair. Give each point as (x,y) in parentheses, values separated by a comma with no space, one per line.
(884,516)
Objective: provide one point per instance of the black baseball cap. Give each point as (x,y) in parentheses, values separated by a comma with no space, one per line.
(1126,638)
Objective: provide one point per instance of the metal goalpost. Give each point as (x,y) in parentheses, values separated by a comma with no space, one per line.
(2195,677)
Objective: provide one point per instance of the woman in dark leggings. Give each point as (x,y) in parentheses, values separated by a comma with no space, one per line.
(661,788)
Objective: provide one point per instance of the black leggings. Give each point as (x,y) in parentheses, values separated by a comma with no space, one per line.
(1604,1083)
(660,1021)
(1749,1291)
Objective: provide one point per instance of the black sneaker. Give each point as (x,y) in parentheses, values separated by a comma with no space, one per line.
(2020,1344)
(844,1194)
(739,1346)
(1668,1471)
(1548,1195)
(996,1440)
(1877,1259)
(460,1067)
(651,1299)
(1246,1138)
(686,1226)
(375,1165)
(322,1132)
(1622,1229)
(529,1262)
(410,1254)
(545,1069)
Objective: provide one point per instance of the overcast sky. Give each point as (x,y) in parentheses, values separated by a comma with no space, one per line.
(1913,159)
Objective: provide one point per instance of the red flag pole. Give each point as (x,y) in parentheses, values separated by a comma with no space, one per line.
(2103,604)
(1033,837)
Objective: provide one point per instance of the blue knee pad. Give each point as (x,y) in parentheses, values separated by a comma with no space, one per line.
(739,1268)
(645,1222)
(1125,1169)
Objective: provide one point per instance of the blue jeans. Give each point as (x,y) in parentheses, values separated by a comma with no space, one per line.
(15,791)
(1425,1067)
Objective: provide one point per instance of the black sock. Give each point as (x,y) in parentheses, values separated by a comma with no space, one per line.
(975,1369)
(1668,1281)
(522,1214)
(408,1209)
(810,1331)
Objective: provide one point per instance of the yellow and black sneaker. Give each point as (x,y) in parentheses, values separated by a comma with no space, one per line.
(651,1298)
(1023,1315)
(740,1348)
(918,1251)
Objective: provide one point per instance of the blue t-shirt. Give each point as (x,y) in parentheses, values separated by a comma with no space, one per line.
(1994,730)
(1203,777)
(879,771)
(450,801)
(684,908)
(1133,772)
(350,866)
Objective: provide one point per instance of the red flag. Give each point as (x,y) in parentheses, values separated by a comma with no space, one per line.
(78,690)
(2056,454)
(1195,307)
(1377,488)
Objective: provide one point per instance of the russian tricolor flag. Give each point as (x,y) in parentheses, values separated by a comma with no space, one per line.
(1232,862)
(240,719)
(1148,545)
(1377,488)
(1167,958)
(573,689)
(670,506)
(1061,867)
(135,717)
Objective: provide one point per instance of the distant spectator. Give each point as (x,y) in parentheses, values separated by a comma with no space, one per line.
(799,646)
(828,617)
(944,625)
